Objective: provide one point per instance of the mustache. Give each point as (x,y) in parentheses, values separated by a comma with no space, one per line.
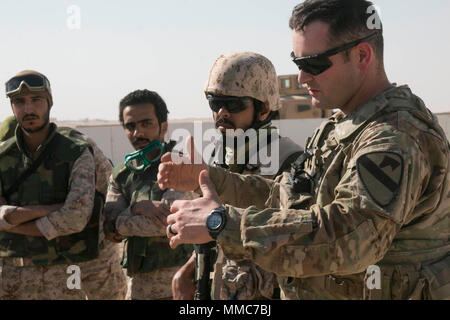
(140,140)
(225,121)
(30,116)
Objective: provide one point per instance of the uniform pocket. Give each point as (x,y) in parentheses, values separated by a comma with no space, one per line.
(436,280)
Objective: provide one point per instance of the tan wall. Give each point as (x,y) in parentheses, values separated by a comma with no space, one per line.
(294,96)
(294,89)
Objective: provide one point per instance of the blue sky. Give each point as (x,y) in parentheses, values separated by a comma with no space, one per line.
(169,46)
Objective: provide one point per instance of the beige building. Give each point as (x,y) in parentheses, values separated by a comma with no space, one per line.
(296,102)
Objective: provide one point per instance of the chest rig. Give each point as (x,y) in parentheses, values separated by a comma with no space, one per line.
(48,184)
(147,254)
(308,170)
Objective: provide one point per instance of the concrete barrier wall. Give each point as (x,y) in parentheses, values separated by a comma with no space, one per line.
(115,145)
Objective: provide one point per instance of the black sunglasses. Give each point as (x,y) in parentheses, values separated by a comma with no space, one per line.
(319,63)
(231,104)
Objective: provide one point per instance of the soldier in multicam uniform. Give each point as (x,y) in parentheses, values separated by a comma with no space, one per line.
(372,189)
(52,219)
(136,208)
(242,90)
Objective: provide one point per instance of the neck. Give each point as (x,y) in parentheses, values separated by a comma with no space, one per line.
(34,139)
(370,87)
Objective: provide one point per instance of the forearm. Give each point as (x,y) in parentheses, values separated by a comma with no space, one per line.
(306,243)
(21,215)
(128,225)
(27,229)
(241,191)
(77,209)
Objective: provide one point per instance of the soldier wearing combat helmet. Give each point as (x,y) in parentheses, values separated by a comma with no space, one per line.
(53,182)
(372,189)
(242,91)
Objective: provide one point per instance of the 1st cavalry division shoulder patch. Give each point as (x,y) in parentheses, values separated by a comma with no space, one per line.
(381,174)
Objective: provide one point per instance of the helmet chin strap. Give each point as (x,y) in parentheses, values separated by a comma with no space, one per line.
(258,124)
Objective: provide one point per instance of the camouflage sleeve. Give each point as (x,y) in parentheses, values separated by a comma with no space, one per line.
(4,210)
(241,190)
(103,167)
(77,210)
(351,233)
(115,204)
(129,225)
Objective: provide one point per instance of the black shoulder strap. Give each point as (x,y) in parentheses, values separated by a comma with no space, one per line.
(45,154)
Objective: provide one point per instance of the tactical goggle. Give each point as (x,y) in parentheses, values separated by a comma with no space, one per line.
(316,64)
(33,82)
(141,159)
(231,104)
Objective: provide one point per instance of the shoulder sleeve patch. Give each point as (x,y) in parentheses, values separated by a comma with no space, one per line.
(381,174)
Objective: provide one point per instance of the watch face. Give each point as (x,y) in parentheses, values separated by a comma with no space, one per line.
(214,221)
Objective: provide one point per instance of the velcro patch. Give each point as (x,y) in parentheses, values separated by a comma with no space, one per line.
(381,174)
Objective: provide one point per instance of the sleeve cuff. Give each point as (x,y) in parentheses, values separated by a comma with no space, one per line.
(47,229)
(120,222)
(230,238)
(4,210)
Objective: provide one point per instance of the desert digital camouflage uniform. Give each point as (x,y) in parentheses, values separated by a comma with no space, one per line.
(149,260)
(36,268)
(375,191)
(245,280)
(249,74)
(101,278)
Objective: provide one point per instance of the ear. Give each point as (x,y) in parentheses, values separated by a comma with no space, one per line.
(163,131)
(264,113)
(365,56)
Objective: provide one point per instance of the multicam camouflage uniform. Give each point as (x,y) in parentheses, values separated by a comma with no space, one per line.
(375,190)
(36,268)
(248,74)
(149,260)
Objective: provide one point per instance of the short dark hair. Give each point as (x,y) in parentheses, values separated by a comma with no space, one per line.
(144,96)
(348,21)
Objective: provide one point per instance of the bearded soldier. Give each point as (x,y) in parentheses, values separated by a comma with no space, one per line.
(136,208)
(53,184)
(242,91)
(371,192)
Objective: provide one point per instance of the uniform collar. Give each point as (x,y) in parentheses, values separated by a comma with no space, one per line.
(21,143)
(346,126)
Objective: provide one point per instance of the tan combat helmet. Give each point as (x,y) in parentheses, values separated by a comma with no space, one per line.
(245,74)
(29,80)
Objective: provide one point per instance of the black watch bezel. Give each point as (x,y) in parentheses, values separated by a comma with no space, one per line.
(220,211)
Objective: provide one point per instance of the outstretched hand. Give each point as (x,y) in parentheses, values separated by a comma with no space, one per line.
(188,221)
(181,172)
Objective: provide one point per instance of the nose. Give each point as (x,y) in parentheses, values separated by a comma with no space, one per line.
(138,132)
(304,77)
(223,113)
(28,107)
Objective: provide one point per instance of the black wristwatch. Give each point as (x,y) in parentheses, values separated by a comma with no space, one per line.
(216,222)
